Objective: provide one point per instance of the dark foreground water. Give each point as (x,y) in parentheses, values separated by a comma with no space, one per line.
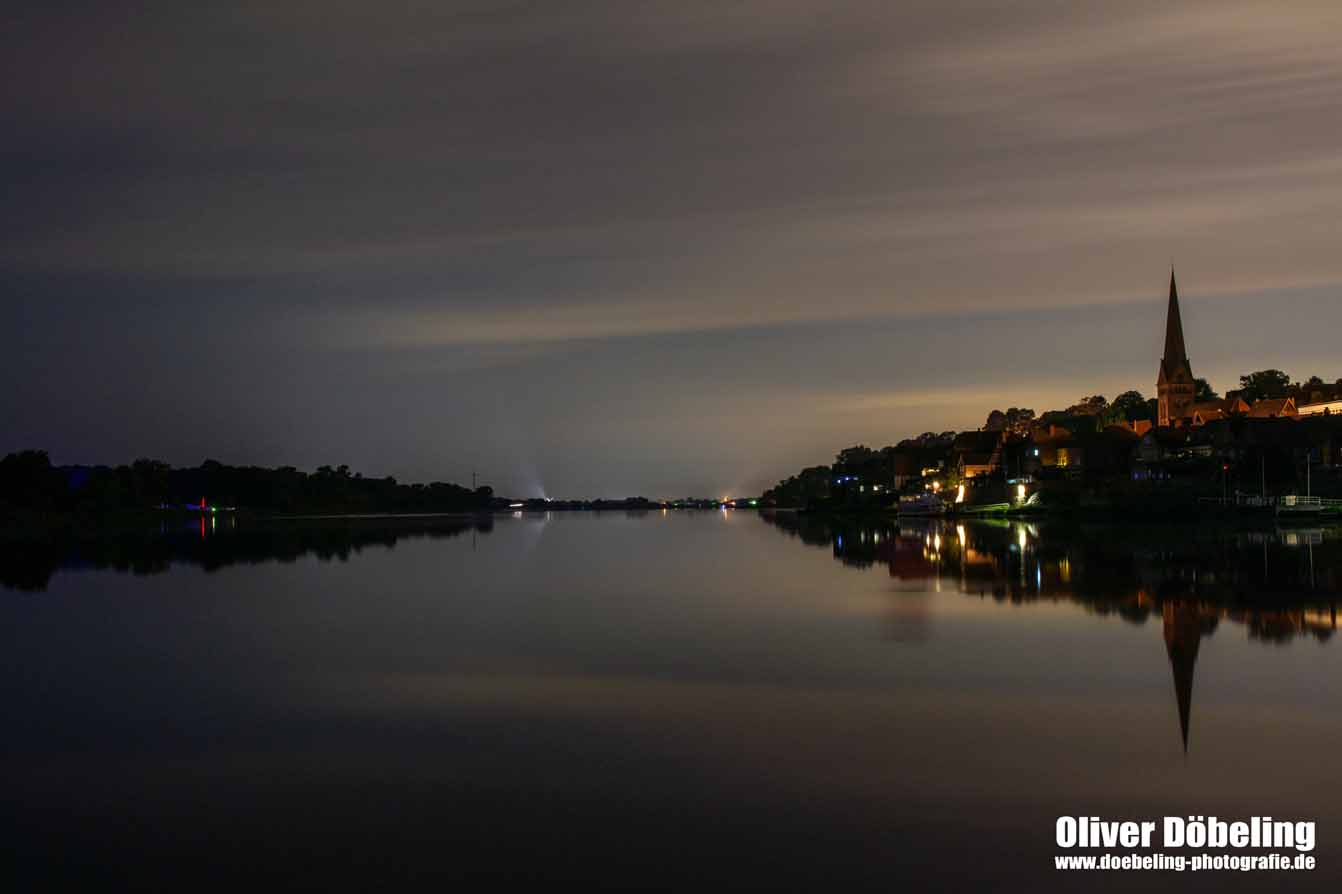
(654,701)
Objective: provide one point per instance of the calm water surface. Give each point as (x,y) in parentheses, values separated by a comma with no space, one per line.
(657,700)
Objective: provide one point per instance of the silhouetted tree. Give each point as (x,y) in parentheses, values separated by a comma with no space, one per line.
(1264,384)
(1088,406)
(27,481)
(1127,406)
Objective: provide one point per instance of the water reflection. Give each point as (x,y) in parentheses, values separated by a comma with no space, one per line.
(1281,585)
(635,701)
(30,563)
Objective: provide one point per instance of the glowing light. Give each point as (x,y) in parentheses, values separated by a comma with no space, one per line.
(960,532)
(1020,492)
(936,542)
(1021,538)
(960,494)
(936,486)
(516,505)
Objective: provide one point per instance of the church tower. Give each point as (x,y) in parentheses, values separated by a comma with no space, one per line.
(1174,382)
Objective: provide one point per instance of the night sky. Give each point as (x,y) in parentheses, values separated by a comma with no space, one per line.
(658,248)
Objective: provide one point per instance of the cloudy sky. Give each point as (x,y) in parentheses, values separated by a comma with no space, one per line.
(604,248)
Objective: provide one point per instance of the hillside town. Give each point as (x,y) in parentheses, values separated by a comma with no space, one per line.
(1269,438)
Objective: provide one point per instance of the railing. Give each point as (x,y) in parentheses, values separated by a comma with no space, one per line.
(1286,502)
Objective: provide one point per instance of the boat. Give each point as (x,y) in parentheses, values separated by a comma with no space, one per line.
(922,504)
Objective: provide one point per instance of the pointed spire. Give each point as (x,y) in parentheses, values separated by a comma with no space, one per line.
(1175,355)
(1183,632)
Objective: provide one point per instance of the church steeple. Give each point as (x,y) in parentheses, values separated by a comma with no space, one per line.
(1175,354)
(1174,382)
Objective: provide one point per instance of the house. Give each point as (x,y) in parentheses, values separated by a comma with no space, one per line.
(1212,410)
(975,453)
(1273,408)
(907,468)
(1320,408)
(1099,452)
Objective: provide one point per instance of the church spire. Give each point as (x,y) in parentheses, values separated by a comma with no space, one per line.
(1175,386)
(1174,331)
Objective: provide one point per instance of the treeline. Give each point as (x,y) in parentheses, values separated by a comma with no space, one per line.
(29,562)
(1132,406)
(30,483)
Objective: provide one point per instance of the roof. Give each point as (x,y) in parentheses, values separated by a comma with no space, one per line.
(1175,358)
(1334,406)
(1225,406)
(1209,414)
(1272,406)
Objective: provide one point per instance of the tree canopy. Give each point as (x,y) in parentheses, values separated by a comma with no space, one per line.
(1126,407)
(1265,383)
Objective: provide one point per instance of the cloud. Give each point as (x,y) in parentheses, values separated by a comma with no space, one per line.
(457,190)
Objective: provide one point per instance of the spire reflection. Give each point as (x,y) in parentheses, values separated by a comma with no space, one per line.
(1281,585)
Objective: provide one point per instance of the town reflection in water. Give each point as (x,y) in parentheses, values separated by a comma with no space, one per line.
(1281,584)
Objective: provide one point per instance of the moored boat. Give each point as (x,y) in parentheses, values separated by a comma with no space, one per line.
(922,504)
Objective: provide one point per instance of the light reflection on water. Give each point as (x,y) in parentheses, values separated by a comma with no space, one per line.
(655,699)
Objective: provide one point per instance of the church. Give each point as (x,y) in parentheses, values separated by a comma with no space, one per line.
(1175,388)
